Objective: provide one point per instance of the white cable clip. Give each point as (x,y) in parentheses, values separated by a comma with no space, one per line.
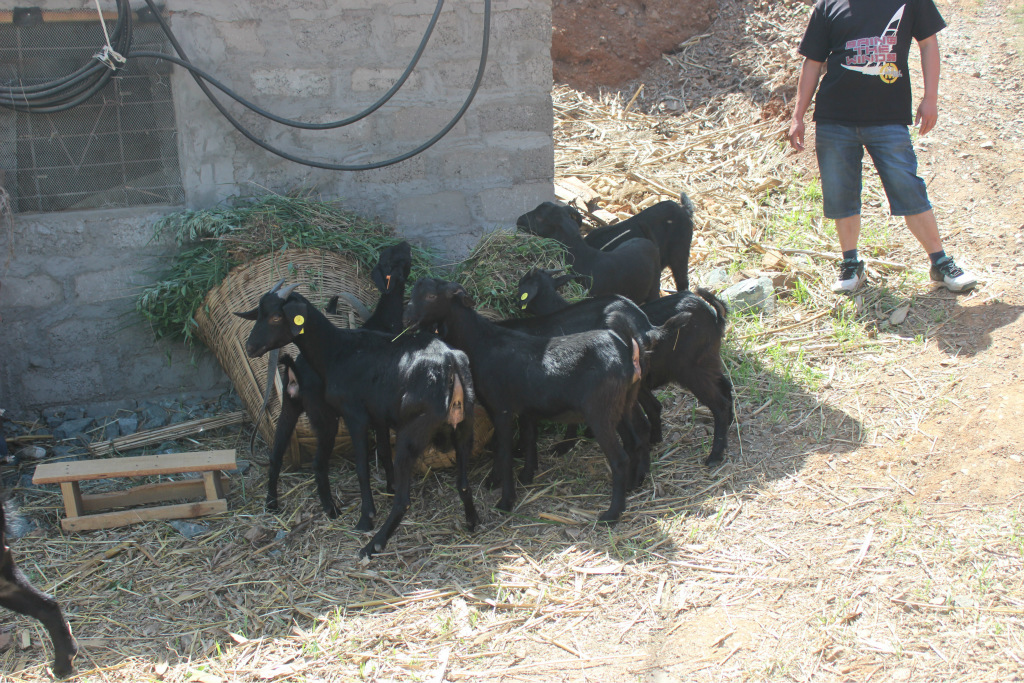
(110,58)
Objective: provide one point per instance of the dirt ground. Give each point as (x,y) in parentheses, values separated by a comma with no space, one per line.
(867,525)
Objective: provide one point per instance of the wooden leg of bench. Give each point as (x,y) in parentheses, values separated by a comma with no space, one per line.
(72,498)
(214,491)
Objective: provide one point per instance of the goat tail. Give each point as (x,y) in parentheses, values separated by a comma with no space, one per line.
(622,326)
(721,311)
(687,205)
(358,306)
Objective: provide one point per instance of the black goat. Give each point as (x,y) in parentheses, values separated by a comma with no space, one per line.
(415,384)
(18,595)
(592,374)
(305,389)
(633,269)
(693,359)
(668,224)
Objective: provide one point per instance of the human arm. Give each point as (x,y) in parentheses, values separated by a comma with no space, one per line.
(928,110)
(808,83)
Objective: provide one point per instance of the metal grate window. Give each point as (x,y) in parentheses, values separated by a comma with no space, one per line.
(117,149)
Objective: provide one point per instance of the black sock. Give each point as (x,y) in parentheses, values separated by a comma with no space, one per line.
(937,256)
(850,255)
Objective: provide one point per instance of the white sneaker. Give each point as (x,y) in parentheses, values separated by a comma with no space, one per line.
(851,276)
(951,276)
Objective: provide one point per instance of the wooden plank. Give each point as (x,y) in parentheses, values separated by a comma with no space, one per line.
(139,466)
(72,498)
(211,484)
(109,520)
(150,493)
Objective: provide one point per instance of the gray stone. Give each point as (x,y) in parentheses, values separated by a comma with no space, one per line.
(128,425)
(753,295)
(189,530)
(111,430)
(716,278)
(72,428)
(153,415)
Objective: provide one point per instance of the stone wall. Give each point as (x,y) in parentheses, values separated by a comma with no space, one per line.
(69,334)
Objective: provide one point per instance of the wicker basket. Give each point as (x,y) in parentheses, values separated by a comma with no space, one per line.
(321,274)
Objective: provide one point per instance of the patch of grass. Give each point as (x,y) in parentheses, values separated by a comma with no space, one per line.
(215,240)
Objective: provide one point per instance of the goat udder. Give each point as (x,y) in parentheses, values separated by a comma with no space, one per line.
(636,362)
(293,384)
(456,409)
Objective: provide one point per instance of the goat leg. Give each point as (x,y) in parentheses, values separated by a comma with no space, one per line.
(528,441)
(634,430)
(618,462)
(409,443)
(719,401)
(652,408)
(359,432)
(326,431)
(569,440)
(382,437)
(501,472)
(18,595)
(463,450)
(291,409)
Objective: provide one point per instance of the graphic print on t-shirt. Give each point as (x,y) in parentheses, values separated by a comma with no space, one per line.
(876,55)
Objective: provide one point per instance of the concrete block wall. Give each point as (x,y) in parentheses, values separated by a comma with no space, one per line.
(321,61)
(69,335)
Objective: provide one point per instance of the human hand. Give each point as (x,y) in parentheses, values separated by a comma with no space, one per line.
(927,116)
(796,134)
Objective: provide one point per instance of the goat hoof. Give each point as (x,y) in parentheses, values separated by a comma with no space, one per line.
(331,511)
(608,517)
(714,460)
(62,668)
(365,524)
(505,506)
(525,478)
(563,447)
(271,505)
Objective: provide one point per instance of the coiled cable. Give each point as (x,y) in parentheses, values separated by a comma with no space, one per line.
(73,89)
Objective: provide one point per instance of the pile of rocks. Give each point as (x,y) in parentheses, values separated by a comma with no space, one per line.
(65,434)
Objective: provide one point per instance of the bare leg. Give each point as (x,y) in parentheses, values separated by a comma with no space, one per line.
(848,230)
(926,230)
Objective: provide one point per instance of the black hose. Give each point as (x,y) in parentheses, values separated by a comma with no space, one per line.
(71,90)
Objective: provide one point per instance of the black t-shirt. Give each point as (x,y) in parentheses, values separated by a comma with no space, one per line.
(865,44)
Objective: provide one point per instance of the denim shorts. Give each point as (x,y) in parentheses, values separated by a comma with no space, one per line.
(840,151)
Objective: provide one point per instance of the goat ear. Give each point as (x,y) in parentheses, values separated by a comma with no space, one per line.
(377,276)
(249,315)
(295,312)
(576,215)
(456,291)
(564,280)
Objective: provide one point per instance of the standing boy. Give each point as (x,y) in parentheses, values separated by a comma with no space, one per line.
(865,103)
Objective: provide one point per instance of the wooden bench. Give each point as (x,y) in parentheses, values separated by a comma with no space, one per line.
(81,508)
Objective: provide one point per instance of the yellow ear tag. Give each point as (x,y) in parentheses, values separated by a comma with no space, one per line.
(299,320)
(525,296)
(523,307)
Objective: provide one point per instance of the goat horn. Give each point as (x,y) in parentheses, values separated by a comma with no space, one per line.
(287,291)
(552,271)
(277,286)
